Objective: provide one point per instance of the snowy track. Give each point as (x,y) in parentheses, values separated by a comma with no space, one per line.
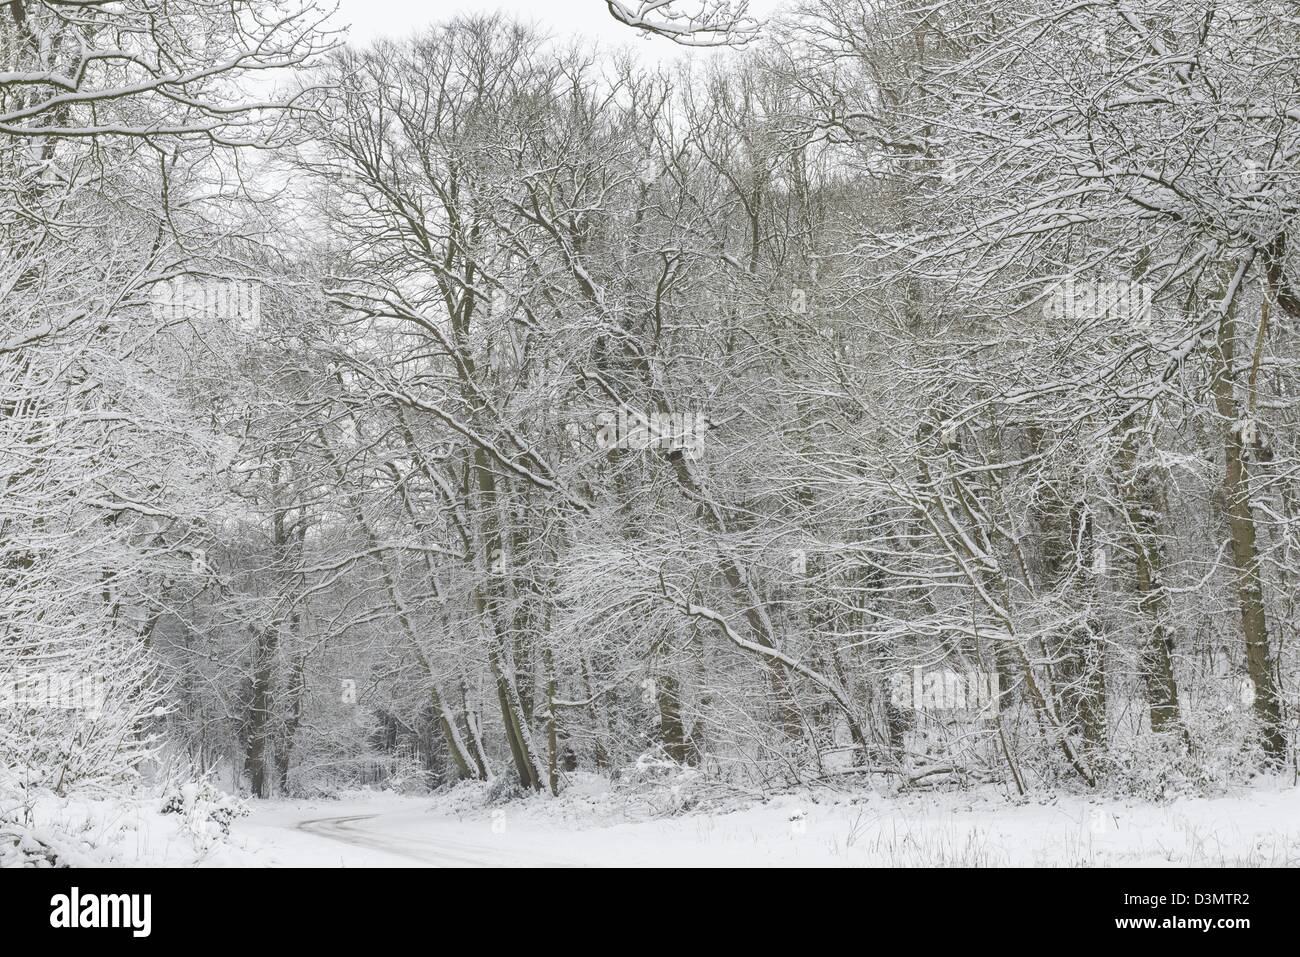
(1256,827)
(421,846)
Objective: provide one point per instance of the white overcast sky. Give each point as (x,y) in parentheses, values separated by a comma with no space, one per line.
(561,18)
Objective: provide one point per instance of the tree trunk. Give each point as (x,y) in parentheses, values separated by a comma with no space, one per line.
(259,713)
(1141,508)
(1245,555)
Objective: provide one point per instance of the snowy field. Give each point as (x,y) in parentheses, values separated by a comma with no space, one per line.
(593,826)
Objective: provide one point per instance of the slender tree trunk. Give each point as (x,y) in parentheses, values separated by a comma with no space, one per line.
(671,732)
(446,723)
(552,729)
(259,714)
(1245,554)
(296,692)
(516,725)
(475,734)
(1089,644)
(1141,509)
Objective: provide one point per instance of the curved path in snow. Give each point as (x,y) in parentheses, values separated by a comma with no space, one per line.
(423,842)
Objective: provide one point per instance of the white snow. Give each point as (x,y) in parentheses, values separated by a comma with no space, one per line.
(591,826)
(116,832)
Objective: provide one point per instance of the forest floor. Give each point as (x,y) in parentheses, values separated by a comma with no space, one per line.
(595,824)
(592,825)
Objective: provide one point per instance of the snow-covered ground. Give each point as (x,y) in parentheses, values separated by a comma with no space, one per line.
(592,824)
(82,832)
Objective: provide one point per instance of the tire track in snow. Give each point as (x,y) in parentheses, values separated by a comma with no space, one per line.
(431,851)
